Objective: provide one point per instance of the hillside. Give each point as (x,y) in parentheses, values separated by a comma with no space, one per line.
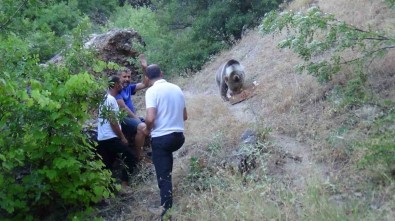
(308,163)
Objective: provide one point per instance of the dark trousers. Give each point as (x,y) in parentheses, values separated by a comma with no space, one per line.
(109,150)
(162,157)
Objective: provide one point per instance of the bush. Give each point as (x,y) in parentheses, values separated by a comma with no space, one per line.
(381,145)
(46,163)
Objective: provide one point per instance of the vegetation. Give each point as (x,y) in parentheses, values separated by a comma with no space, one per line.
(316,34)
(46,162)
(182,35)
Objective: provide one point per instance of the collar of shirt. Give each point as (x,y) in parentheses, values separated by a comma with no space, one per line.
(159,81)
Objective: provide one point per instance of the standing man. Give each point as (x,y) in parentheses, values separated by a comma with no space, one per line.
(110,138)
(166,113)
(132,124)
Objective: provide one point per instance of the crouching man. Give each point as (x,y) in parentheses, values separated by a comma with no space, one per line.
(110,137)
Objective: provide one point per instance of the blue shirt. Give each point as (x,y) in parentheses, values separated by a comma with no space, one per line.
(126,95)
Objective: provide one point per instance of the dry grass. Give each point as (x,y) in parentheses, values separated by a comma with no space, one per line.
(298,5)
(361,13)
(208,115)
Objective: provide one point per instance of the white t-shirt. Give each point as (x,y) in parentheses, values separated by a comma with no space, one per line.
(104,130)
(169,102)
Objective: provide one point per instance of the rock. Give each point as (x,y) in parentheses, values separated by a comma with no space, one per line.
(118,46)
(248,137)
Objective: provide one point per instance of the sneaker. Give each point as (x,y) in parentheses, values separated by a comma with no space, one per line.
(157,210)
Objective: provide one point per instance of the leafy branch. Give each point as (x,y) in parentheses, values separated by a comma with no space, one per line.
(20,7)
(315,33)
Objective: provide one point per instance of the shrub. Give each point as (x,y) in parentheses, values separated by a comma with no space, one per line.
(381,145)
(46,163)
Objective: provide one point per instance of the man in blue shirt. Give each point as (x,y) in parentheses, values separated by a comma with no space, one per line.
(132,124)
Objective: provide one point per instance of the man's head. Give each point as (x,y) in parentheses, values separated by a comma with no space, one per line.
(153,72)
(114,83)
(126,76)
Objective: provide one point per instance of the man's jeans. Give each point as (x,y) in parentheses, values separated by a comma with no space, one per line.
(162,157)
(109,149)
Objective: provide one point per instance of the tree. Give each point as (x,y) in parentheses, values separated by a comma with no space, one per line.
(315,33)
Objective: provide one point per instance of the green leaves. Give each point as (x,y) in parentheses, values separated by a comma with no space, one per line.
(391,3)
(381,145)
(320,40)
(44,159)
(325,45)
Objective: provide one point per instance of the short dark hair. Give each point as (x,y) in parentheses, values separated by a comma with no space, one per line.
(127,70)
(153,71)
(113,80)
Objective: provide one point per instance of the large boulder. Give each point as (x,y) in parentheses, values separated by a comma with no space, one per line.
(119,46)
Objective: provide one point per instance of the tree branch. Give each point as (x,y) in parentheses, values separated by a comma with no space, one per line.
(370,53)
(9,19)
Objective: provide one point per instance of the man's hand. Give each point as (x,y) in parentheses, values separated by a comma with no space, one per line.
(143,62)
(124,141)
(146,131)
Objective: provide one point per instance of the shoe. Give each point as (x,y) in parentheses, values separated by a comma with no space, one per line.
(157,211)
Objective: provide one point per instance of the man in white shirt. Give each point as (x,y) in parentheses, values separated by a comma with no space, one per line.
(110,137)
(166,113)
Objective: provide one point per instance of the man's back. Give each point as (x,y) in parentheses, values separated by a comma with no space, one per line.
(104,128)
(169,102)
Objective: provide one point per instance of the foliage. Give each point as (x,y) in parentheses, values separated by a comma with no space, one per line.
(391,3)
(214,20)
(225,20)
(46,162)
(201,177)
(315,33)
(326,44)
(135,3)
(98,10)
(42,24)
(171,51)
(183,35)
(144,21)
(59,18)
(101,6)
(381,145)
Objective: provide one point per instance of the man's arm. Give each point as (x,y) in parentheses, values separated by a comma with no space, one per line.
(150,120)
(122,105)
(117,130)
(140,86)
(185,114)
(114,124)
(144,64)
